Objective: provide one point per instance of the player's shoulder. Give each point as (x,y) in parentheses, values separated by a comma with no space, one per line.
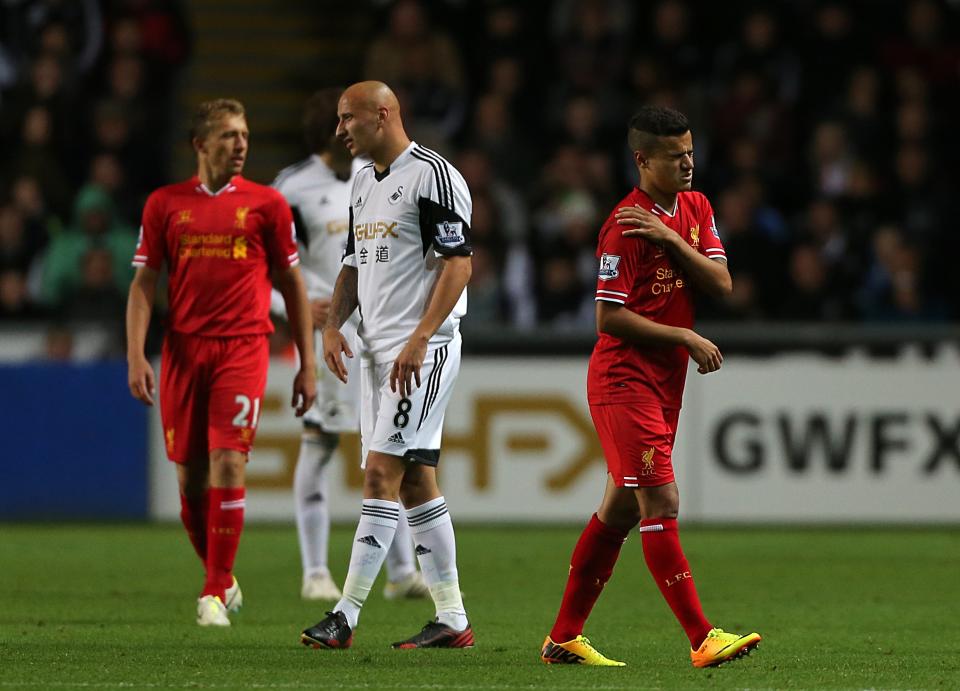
(294,175)
(629,199)
(448,186)
(363,170)
(429,160)
(266,193)
(694,199)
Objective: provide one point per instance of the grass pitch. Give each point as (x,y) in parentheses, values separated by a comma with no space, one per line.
(112,606)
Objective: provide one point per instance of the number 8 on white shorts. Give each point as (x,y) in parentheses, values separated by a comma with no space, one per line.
(412,426)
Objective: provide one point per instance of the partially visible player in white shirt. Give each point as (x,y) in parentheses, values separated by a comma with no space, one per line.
(318,191)
(406,266)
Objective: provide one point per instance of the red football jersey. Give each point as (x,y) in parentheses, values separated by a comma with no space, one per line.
(636,273)
(219,249)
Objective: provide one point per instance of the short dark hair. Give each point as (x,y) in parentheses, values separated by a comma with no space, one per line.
(210,111)
(652,122)
(320,118)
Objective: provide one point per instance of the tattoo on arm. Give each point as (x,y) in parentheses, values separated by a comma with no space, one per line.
(345,299)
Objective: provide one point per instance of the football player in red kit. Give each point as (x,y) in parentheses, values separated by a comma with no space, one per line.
(220,237)
(659,244)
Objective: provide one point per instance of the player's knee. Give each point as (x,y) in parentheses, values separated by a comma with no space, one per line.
(419,485)
(378,484)
(227,467)
(619,518)
(666,508)
(328,441)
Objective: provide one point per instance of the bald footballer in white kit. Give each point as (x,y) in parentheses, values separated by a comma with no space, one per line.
(406,267)
(318,191)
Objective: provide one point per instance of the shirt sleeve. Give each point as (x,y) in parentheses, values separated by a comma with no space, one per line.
(710,243)
(149,251)
(619,263)
(445,209)
(350,251)
(281,235)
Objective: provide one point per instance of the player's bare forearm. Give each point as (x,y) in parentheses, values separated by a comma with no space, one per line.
(140,376)
(616,320)
(709,275)
(454,277)
(455,273)
(143,291)
(345,299)
(291,286)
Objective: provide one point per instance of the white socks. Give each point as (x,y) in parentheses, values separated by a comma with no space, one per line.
(400,562)
(313,513)
(375,532)
(437,553)
(310,502)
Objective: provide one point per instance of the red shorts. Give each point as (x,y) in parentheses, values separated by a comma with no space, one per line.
(211,390)
(637,440)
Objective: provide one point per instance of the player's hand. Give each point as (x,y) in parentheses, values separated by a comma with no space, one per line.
(320,310)
(704,353)
(334,343)
(406,368)
(645,224)
(141,380)
(304,390)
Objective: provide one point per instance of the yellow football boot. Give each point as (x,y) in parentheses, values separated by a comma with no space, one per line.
(575,652)
(720,646)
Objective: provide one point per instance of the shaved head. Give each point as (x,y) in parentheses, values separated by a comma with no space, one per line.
(373,95)
(370,122)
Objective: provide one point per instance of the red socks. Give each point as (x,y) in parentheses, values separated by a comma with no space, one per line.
(668,565)
(592,563)
(224,525)
(193,514)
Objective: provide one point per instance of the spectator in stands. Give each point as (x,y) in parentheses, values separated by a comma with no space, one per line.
(38,157)
(809,298)
(423,65)
(674,42)
(94,227)
(15,303)
(591,53)
(97,299)
(894,289)
(752,254)
(494,132)
(485,292)
(563,301)
(16,249)
(836,39)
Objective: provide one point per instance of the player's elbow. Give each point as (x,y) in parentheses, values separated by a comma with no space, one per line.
(725,284)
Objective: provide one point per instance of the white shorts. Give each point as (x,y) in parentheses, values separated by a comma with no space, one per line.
(407,427)
(336,408)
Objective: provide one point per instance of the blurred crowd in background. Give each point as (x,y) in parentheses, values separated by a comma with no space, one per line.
(821,133)
(85,89)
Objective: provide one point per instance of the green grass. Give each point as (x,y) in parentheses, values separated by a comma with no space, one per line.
(94,606)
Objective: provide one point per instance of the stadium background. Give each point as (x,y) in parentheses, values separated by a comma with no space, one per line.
(823,137)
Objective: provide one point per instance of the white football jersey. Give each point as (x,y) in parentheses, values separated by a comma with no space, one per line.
(404,220)
(320,202)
